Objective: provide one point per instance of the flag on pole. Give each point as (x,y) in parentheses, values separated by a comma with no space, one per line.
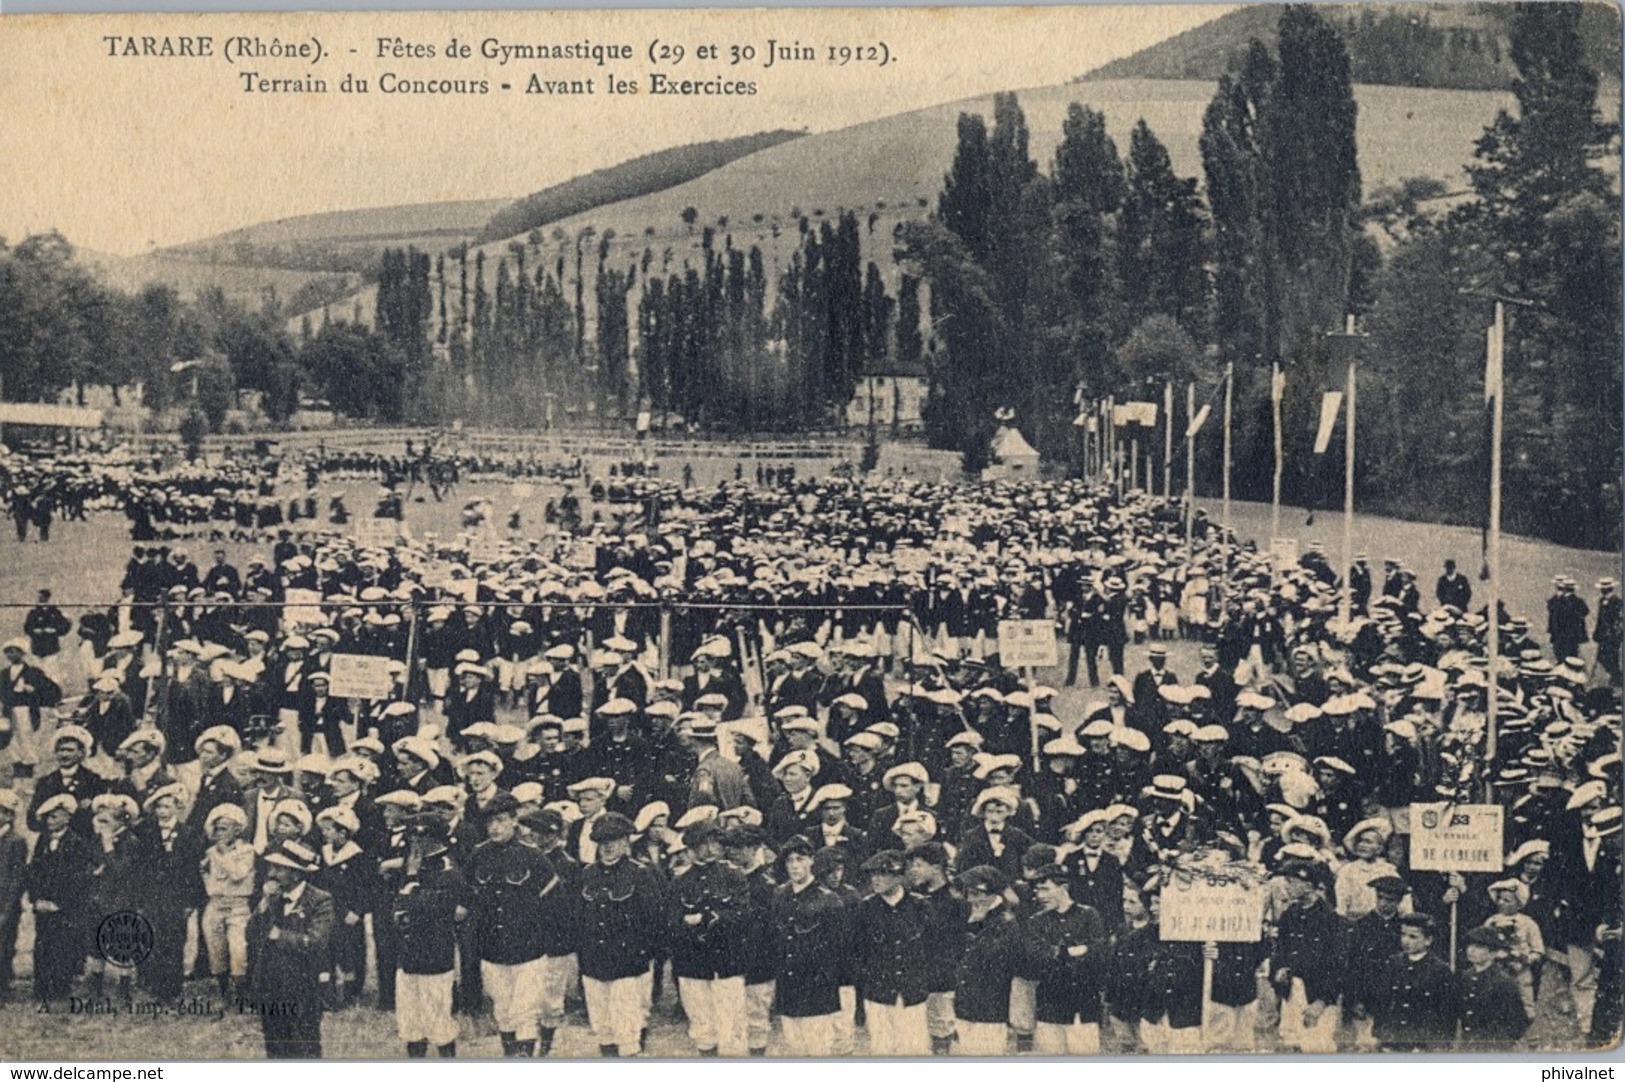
(1331,403)
(1278,386)
(1199,420)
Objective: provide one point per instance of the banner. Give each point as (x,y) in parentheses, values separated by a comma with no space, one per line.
(1026,644)
(359,676)
(1209,911)
(1198,421)
(1330,404)
(1456,837)
(1135,413)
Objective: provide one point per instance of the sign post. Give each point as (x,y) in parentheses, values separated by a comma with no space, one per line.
(1456,838)
(1210,911)
(359,676)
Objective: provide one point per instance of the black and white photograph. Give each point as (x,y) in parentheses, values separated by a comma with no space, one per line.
(977,532)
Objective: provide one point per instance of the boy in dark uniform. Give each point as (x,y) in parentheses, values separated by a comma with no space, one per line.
(431,898)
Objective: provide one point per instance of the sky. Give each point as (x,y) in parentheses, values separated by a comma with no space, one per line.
(125,153)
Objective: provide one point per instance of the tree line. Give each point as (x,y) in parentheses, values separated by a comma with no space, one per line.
(1105,276)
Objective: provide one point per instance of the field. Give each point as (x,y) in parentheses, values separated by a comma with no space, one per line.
(83,562)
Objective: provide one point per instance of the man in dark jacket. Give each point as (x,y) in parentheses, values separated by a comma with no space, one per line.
(432,897)
(1307,965)
(510,880)
(1491,1007)
(988,946)
(811,940)
(712,907)
(893,950)
(1414,1006)
(288,936)
(1064,947)
(1373,938)
(623,924)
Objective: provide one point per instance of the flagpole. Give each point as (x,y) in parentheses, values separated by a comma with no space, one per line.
(1167,439)
(1494,384)
(1229,389)
(1190,464)
(1348,482)
(1275,410)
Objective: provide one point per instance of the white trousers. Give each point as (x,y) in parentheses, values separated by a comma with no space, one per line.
(759,1014)
(556,975)
(716,1013)
(982,1038)
(617,1010)
(896,1030)
(812,1037)
(423,1007)
(1320,1038)
(843,1036)
(939,1015)
(1231,1029)
(1023,1005)
(1076,1039)
(1162,1039)
(516,996)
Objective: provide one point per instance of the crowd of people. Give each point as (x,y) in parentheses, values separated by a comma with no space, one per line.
(756,757)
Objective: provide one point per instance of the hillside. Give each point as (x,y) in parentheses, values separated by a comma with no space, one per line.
(628,180)
(1439,46)
(890,170)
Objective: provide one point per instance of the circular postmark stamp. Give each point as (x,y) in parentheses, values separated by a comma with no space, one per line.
(124,939)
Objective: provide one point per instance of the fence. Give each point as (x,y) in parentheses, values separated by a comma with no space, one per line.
(666,631)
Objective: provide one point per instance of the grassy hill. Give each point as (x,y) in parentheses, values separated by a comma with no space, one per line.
(628,180)
(891,169)
(1440,46)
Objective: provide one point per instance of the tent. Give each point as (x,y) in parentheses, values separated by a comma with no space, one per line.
(1013,456)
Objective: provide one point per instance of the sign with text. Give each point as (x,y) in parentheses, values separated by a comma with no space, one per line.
(359,676)
(1284,551)
(303,608)
(1026,644)
(1205,911)
(1456,837)
(911,559)
(376,532)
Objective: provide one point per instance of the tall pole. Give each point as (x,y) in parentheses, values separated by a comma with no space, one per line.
(1229,395)
(1134,460)
(1348,482)
(1167,439)
(1190,464)
(1108,461)
(1275,410)
(1497,362)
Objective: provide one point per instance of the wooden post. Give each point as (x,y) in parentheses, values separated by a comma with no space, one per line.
(1229,395)
(1343,609)
(1167,439)
(1190,465)
(1497,359)
(1207,992)
(411,649)
(1276,390)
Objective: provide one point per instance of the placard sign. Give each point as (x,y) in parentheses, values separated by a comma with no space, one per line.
(1456,837)
(1026,644)
(1284,551)
(1205,911)
(359,676)
(303,608)
(376,532)
(911,559)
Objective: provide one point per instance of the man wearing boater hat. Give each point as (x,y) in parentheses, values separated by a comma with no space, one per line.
(288,935)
